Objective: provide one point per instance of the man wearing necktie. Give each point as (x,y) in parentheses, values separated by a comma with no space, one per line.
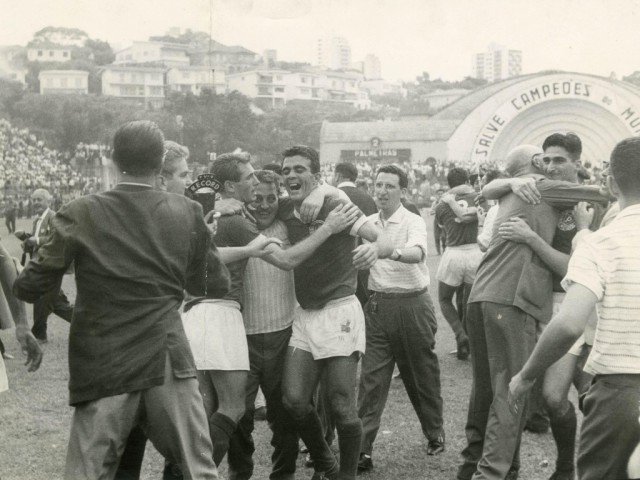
(41,234)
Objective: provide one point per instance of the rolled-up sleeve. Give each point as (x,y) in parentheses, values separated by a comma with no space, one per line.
(417,234)
(586,267)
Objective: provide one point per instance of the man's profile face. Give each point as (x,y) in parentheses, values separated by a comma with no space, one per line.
(559,165)
(40,202)
(181,178)
(265,204)
(387,191)
(298,178)
(245,188)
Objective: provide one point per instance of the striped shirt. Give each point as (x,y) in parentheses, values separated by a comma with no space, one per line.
(607,262)
(269,293)
(404,230)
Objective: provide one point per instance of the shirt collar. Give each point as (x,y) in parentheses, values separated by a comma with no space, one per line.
(136,184)
(397,216)
(44,214)
(346,184)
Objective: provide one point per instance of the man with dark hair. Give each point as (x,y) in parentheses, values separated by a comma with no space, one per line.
(596,276)
(457,214)
(328,330)
(345,172)
(214,324)
(401,322)
(135,249)
(511,294)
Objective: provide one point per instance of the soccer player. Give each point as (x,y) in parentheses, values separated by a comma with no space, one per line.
(328,331)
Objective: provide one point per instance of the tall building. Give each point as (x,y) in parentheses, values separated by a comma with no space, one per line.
(497,63)
(333,53)
(372,69)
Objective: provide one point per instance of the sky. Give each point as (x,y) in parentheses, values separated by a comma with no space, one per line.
(409,36)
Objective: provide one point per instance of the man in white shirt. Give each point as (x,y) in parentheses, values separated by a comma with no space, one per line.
(400,321)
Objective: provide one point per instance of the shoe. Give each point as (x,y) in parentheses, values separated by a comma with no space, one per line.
(7,356)
(512,474)
(463,349)
(365,463)
(260,414)
(436,447)
(537,426)
(331,474)
(563,475)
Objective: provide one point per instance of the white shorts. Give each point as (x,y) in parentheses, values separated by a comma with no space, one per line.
(337,330)
(458,265)
(215,331)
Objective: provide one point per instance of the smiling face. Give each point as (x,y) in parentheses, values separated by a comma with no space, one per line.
(298,178)
(265,204)
(40,201)
(559,165)
(387,191)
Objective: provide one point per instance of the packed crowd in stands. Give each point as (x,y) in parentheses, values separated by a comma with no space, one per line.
(27,164)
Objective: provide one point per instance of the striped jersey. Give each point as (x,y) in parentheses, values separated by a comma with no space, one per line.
(269,293)
(607,262)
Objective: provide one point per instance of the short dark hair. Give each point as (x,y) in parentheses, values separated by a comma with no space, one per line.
(307,152)
(347,170)
(457,176)
(395,170)
(269,177)
(225,166)
(173,153)
(274,167)
(493,174)
(570,142)
(625,165)
(138,148)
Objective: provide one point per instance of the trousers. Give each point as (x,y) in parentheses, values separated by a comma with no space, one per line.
(402,331)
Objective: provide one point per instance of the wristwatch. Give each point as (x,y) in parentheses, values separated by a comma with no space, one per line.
(396,255)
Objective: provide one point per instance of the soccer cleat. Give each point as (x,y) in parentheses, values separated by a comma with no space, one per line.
(436,446)
(365,463)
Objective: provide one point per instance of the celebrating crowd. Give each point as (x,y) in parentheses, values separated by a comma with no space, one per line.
(290,285)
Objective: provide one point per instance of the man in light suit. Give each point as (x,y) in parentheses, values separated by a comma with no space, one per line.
(55,302)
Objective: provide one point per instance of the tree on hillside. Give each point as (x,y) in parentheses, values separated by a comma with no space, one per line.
(10,93)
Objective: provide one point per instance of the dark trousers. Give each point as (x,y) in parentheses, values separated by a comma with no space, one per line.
(501,339)
(400,330)
(267,353)
(10,222)
(51,303)
(610,435)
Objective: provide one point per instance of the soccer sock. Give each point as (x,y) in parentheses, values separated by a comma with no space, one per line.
(310,431)
(564,428)
(221,428)
(350,441)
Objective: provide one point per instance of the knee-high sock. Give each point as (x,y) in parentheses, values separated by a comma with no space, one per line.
(349,440)
(564,428)
(311,432)
(221,428)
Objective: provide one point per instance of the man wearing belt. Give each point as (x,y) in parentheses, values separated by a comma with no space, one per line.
(400,321)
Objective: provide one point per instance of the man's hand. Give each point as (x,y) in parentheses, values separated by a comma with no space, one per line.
(583,215)
(30,347)
(448,198)
(365,256)
(518,388)
(229,206)
(341,217)
(30,244)
(516,230)
(526,189)
(258,247)
(311,206)
(211,220)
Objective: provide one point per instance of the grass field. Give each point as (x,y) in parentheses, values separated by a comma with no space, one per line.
(35,416)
